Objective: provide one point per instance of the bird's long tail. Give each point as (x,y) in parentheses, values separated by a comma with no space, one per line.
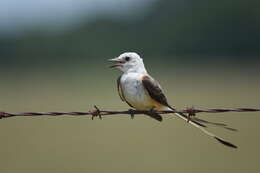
(201,127)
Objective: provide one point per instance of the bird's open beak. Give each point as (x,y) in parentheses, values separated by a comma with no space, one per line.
(119,62)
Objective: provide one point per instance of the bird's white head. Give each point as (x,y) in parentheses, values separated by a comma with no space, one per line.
(129,62)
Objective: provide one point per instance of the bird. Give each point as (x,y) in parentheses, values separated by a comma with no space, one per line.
(142,92)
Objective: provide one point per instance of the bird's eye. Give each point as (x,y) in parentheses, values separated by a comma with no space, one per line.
(127,58)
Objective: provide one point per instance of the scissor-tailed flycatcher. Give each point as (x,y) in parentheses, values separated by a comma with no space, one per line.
(140,91)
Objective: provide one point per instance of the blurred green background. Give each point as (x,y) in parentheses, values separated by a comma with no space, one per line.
(53,58)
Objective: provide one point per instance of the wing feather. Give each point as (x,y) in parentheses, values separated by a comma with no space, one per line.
(154,90)
(119,88)
(120,91)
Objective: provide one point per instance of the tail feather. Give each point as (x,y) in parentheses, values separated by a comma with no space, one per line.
(185,117)
(215,123)
(222,141)
(155,116)
(198,125)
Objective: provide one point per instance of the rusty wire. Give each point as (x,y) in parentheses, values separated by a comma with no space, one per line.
(99,113)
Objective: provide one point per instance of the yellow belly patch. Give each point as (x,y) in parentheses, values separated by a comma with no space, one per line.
(147,104)
(156,105)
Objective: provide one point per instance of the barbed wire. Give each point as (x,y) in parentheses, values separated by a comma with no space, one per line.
(99,113)
(190,114)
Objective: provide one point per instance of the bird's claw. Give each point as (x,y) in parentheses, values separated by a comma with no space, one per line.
(132,115)
(95,113)
(152,111)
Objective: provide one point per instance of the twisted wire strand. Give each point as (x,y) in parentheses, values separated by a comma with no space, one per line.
(97,112)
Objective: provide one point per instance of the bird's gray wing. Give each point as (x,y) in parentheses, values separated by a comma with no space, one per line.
(154,90)
(120,91)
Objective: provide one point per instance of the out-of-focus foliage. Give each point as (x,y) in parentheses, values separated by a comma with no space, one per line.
(169,28)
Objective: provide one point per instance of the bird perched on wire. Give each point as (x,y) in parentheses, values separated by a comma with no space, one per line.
(142,92)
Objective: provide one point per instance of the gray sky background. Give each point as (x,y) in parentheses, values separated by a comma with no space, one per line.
(16,15)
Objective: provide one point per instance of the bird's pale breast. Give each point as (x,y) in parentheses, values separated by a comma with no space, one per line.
(135,93)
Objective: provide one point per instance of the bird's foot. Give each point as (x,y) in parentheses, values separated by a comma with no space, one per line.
(131,111)
(152,111)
